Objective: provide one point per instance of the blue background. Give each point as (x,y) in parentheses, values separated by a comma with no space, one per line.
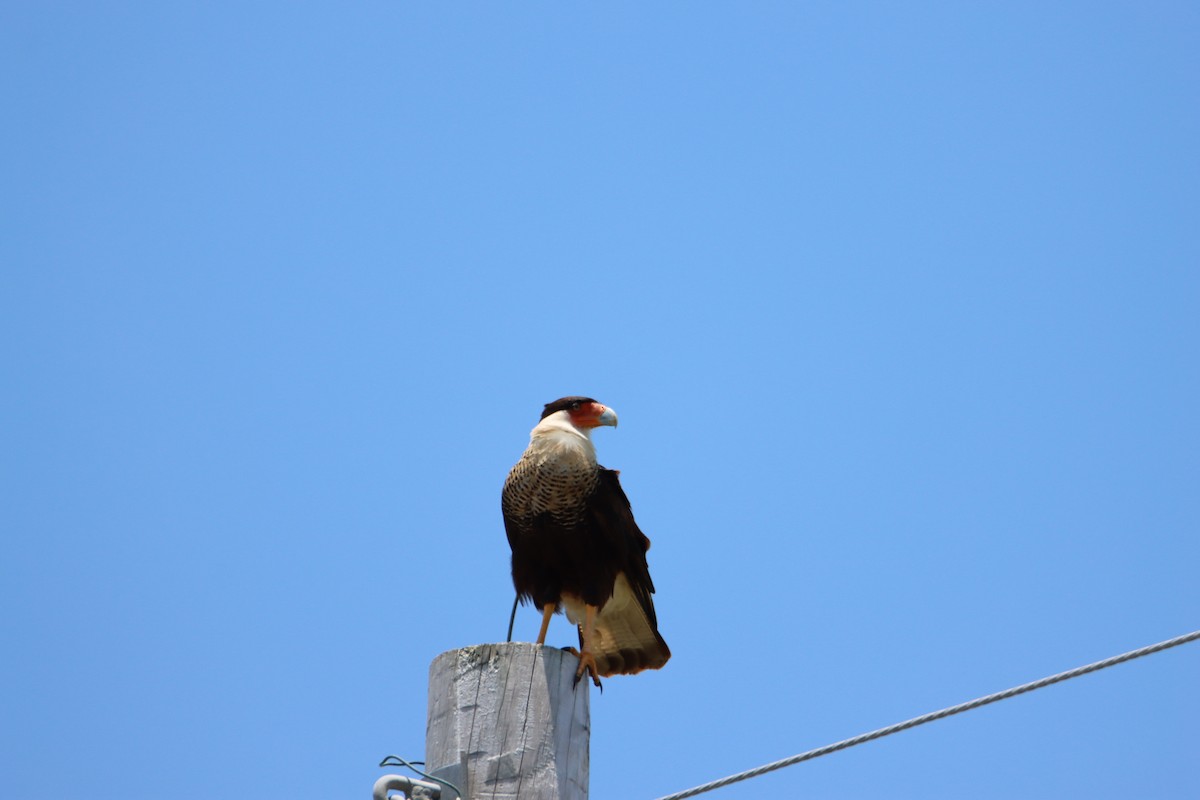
(897,302)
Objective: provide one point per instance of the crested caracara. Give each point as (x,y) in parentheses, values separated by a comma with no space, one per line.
(575,544)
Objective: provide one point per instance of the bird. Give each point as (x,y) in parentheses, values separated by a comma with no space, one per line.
(575,544)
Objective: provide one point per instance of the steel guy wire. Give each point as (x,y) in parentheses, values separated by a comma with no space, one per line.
(935,715)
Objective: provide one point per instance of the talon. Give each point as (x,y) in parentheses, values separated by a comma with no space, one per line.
(587,663)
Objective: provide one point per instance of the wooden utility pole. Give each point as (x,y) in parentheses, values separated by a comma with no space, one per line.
(506,722)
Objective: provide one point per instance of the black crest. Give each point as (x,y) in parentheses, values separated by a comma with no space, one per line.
(565,404)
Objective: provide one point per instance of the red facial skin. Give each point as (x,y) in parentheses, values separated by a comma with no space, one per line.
(587,415)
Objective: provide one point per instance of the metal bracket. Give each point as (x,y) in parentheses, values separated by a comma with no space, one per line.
(442,781)
(413,789)
(453,775)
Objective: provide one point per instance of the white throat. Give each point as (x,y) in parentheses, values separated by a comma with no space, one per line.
(557,433)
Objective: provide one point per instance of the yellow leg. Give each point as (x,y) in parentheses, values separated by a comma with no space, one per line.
(587,661)
(547,613)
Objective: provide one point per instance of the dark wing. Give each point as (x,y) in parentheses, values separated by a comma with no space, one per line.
(627,639)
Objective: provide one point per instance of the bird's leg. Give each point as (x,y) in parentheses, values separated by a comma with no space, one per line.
(587,661)
(547,613)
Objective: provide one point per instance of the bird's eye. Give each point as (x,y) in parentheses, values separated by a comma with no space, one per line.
(575,405)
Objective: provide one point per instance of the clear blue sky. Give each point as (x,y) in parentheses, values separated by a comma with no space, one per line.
(899,304)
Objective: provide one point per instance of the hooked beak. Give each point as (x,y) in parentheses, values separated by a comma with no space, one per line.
(607,417)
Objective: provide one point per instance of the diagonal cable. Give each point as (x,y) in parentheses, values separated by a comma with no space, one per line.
(935,715)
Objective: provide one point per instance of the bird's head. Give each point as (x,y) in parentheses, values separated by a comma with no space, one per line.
(583,413)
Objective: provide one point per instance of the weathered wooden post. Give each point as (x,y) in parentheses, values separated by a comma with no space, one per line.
(507,723)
